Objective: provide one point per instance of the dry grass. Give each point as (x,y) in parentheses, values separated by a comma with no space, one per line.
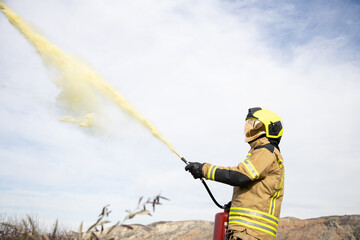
(29,229)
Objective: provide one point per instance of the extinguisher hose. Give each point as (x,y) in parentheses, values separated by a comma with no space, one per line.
(206,187)
(210,193)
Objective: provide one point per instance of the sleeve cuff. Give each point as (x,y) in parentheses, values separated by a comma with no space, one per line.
(205,170)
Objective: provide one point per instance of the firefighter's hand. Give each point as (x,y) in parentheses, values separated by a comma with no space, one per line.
(195,169)
(227,207)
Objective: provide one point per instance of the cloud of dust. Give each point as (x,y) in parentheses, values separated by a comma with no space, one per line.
(83,90)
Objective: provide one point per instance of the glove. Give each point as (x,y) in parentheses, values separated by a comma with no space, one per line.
(195,169)
(227,207)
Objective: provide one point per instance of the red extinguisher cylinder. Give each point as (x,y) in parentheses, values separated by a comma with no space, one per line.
(220,225)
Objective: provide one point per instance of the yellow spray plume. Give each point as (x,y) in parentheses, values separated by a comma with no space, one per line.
(82,88)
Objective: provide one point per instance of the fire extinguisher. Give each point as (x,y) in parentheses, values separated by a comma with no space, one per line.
(220,225)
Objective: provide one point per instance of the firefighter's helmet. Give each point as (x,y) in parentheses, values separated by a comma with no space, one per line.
(262,122)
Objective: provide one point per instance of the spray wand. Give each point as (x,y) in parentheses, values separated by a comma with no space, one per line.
(206,187)
(158,135)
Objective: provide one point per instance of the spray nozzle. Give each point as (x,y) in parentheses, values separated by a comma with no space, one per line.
(184,160)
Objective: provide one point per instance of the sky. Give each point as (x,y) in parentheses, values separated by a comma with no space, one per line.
(192,68)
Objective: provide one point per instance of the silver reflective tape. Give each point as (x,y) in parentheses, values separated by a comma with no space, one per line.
(273,201)
(251,169)
(255,214)
(212,172)
(255,225)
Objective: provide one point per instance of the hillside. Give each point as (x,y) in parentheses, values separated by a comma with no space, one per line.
(324,228)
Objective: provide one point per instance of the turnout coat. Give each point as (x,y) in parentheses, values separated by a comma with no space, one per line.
(258,189)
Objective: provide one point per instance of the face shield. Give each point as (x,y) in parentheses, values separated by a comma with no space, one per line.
(253,129)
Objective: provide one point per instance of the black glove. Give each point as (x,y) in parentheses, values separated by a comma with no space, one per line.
(227,207)
(195,169)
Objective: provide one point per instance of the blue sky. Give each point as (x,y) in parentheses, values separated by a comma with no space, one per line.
(192,68)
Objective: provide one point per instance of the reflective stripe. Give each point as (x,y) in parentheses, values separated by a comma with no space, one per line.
(253,224)
(251,169)
(276,196)
(281,162)
(211,172)
(254,213)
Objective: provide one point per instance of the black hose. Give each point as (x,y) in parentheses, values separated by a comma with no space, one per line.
(206,187)
(210,193)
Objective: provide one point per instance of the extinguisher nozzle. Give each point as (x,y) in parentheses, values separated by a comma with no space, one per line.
(184,160)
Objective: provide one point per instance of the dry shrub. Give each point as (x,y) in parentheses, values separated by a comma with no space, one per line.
(29,229)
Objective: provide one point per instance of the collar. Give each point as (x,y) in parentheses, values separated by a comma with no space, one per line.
(259,142)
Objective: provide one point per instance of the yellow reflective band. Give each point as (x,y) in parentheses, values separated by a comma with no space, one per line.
(251,169)
(276,196)
(281,162)
(249,155)
(253,224)
(211,172)
(254,213)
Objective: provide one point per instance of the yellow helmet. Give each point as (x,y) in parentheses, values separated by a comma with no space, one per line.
(271,124)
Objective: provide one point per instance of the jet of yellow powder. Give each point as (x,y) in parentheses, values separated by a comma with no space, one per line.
(82,88)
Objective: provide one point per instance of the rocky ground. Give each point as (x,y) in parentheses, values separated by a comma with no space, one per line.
(324,228)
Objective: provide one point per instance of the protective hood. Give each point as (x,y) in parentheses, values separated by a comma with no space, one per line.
(253,129)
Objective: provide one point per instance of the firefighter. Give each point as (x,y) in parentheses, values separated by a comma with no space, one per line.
(258,181)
